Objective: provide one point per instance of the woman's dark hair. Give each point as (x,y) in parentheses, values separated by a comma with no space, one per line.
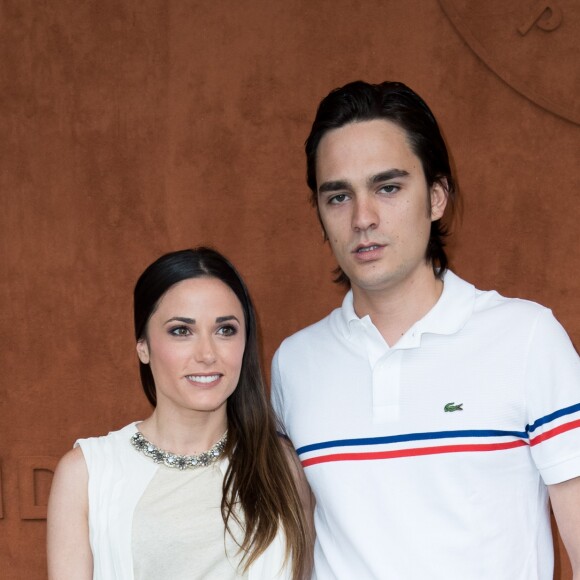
(258,477)
(397,103)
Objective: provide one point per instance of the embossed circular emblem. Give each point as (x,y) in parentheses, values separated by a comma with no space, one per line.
(533,45)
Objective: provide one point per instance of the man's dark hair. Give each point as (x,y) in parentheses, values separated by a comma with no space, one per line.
(397,103)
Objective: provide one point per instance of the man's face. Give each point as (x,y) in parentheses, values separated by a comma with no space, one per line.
(375,205)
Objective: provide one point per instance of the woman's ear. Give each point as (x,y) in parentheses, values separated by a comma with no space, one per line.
(143,351)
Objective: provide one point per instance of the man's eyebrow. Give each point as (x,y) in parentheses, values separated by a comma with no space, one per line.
(330,186)
(181,319)
(387,175)
(220,319)
(341,184)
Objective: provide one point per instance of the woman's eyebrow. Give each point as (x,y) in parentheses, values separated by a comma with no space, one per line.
(220,319)
(186,320)
(181,319)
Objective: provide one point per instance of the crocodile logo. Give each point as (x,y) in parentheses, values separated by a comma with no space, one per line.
(450,407)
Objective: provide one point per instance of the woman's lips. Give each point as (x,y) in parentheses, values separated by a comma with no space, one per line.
(204,380)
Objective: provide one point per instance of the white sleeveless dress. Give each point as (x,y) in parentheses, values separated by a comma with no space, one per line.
(141,529)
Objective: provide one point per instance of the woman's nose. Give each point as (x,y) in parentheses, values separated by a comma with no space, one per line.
(205,351)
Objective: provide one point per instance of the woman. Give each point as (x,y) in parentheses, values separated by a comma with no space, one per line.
(204,487)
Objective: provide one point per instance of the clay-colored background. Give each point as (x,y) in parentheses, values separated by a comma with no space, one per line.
(133,127)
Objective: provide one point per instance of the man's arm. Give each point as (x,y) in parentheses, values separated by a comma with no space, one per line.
(552,384)
(565,499)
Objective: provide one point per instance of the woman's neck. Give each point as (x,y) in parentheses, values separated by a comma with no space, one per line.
(184,433)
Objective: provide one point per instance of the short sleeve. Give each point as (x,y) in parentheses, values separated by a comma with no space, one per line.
(552,383)
(276,390)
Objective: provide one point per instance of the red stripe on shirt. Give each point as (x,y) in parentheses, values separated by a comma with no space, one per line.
(555,431)
(413,452)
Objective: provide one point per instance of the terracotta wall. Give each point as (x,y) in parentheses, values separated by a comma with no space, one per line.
(134,127)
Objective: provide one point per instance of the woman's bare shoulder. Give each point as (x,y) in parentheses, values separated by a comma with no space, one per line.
(71,473)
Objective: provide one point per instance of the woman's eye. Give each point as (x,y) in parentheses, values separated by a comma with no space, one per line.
(179,331)
(228,330)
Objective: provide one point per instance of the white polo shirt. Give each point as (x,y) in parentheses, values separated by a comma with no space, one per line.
(430,459)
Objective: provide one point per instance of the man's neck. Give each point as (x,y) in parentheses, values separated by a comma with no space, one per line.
(395,309)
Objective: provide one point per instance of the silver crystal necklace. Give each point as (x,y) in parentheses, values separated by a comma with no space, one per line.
(178,461)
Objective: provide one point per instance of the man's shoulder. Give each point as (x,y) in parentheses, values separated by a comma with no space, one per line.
(493,301)
(462,305)
(456,288)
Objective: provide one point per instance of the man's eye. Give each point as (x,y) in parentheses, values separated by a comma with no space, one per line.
(389,189)
(336,199)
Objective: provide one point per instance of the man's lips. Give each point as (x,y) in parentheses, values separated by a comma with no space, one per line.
(368,252)
(363,248)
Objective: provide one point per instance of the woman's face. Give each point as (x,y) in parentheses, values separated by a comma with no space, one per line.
(194,345)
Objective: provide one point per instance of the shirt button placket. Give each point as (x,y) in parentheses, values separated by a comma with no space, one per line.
(386,387)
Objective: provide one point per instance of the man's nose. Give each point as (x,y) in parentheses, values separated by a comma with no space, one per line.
(365,214)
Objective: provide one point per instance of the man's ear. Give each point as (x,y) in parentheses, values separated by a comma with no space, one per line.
(143,351)
(439,197)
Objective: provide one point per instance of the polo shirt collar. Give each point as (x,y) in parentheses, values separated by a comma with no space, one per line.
(452,310)
(448,316)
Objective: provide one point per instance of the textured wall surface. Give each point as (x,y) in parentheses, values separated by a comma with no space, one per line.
(134,127)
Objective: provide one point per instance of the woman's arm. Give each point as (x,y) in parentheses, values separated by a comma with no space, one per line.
(69,551)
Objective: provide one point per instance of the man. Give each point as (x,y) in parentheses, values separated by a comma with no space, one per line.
(432,419)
